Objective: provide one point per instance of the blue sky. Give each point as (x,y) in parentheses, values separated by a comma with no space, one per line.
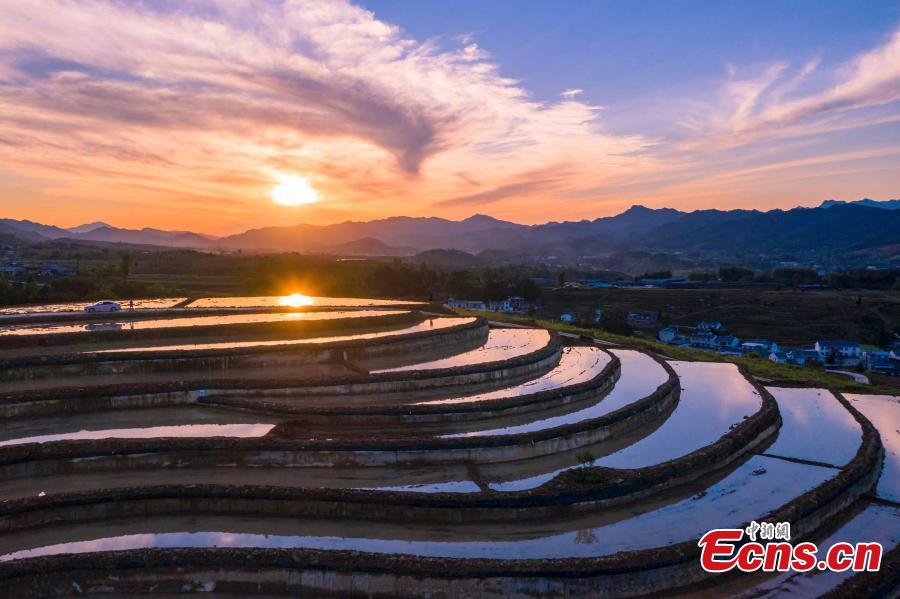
(188,114)
(617,49)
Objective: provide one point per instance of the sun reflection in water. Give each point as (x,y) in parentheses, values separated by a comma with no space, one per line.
(296,300)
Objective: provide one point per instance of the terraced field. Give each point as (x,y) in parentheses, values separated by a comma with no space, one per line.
(379,449)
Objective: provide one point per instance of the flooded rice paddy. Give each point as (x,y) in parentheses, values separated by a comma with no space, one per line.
(700,418)
(294,301)
(430,324)
(769,483)
(189,321)
(441,467)
(883,411)
(148,423)
(809,417)
(576,365)
(501,344)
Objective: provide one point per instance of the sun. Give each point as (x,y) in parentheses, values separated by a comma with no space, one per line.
(296,300)
(293,190)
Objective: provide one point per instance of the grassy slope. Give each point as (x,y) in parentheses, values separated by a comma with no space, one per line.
(760,367)
(788,316)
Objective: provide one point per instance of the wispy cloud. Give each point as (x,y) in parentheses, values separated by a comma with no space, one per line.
(193,109)
(781,101)
(258,87)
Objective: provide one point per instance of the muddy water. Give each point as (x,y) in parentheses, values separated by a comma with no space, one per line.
(883,411)
(753,489)
(428,325)
(576,365)
(501,344)
(272,301)
(194,321)
(814,426)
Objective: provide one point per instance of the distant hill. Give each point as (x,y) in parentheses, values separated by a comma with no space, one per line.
(368,246)
(88,227)
(146,236)
(637,239)
(841,228)
(30,231)
(885,204)
(421,233)
(453,258)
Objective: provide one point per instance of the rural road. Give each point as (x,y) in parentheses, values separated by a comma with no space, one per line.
(859,378)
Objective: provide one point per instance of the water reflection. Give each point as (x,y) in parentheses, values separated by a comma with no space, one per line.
(876,524)
(193,321)
(576,365)
(595,411)
(293,300)
(431,324)
(807,417)
(143,304)
(93,326)
(755,488)
(714,397)
(453,486)
(150,432)
(501,344)
(883,411)
(296,300)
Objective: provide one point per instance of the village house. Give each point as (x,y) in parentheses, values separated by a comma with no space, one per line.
(895,351)
(702,340)
(499,306)
(49,269)
(709,326)
(839,352)
(882,362)
(726,343)
(13,269)
(642,319)
(595,284)
(676,335)
(806,356)
(761,347)
(778,356)
(465,304)
(517,303)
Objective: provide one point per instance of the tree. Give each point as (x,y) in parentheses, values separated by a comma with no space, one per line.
(698,275)
(659,274)
(735,273)
(127,263)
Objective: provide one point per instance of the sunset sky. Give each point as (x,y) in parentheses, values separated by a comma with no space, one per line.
(186,114)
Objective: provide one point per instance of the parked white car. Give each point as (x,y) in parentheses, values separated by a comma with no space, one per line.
(104,306)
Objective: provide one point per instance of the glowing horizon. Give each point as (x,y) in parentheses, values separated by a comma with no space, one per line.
(218,117)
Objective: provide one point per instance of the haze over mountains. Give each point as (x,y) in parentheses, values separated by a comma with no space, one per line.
(834,227)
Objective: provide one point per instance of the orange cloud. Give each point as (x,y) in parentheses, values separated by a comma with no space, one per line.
(185,117)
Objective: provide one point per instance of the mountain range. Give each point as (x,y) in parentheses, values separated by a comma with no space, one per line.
(833,228)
